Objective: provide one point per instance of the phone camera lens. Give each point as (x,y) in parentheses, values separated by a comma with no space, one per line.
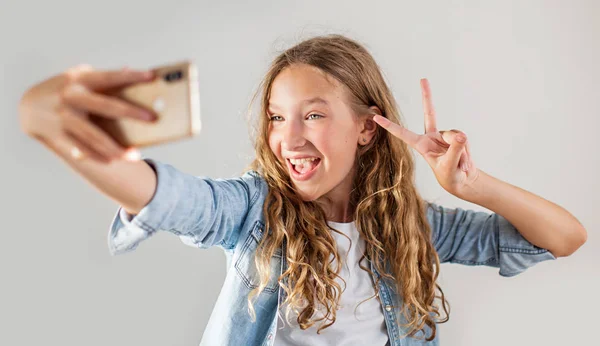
(173,76)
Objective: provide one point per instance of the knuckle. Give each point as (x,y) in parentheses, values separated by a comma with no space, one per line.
(71,91)
(74,73)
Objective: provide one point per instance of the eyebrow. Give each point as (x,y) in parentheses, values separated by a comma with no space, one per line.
(305,102)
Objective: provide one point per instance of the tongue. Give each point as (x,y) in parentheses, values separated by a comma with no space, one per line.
(305,167)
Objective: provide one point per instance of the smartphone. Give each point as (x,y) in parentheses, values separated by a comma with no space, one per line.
(174,98)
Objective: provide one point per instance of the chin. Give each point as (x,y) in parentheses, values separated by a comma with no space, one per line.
(307,196)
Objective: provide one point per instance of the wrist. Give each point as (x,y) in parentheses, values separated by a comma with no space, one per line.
(474,190)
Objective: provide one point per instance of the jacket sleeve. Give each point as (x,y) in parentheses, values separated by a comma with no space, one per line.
(202,211)
(478,238)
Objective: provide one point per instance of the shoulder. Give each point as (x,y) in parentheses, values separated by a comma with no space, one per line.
(257,185)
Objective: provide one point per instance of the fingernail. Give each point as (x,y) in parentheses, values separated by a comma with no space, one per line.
(465,167)
(148,116)
(460,138)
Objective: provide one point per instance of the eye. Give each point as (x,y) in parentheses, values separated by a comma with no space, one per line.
(315,114)
(275,118)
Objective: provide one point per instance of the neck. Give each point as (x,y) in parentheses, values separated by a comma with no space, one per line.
(339,210)
(336,203)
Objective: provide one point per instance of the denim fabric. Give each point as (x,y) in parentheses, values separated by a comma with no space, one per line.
(227,213)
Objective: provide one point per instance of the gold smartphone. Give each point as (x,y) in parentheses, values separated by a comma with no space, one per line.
(174,98)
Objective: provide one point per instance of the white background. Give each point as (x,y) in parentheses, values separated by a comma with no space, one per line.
(520,78)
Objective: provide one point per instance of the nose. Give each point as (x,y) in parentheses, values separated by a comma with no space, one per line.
(293,136)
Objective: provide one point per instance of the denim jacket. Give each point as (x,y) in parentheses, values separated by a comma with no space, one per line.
(207,212)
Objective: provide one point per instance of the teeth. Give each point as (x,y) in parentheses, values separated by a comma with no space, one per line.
(299,161)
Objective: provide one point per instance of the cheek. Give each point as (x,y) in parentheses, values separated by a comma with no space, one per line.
(274,142)
(340,146)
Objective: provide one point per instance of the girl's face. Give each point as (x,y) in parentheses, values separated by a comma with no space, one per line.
(313,131)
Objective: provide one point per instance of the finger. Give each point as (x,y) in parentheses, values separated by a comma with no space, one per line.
(399,131)
(429,111)
(103,80)
(448,135)
(80,151)
(464,161)
(82,98)
(78,126)
(470,158)
(456,149)
(75,149)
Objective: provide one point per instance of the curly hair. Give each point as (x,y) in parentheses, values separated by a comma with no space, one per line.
(390,214)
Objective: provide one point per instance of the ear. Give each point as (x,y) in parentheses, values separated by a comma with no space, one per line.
(368,127)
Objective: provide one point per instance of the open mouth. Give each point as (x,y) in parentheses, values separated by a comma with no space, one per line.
(302,169)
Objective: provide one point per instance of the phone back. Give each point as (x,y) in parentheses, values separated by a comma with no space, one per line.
(172,95)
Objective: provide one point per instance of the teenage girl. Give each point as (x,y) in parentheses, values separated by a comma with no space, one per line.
(327,239)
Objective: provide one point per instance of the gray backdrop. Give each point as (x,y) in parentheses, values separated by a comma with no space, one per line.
(519,77)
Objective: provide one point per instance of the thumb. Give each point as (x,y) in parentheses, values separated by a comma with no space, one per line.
(456,149)
(102,80)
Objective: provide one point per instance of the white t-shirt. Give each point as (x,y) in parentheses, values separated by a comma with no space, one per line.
(364,325)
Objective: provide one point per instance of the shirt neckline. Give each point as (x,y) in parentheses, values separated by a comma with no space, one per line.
(342,224)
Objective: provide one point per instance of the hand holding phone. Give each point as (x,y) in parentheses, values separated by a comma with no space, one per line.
(102,114)
(172,95)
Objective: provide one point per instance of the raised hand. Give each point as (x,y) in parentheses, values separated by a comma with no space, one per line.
(446,152)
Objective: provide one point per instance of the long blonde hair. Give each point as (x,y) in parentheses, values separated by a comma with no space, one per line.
(388,210)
